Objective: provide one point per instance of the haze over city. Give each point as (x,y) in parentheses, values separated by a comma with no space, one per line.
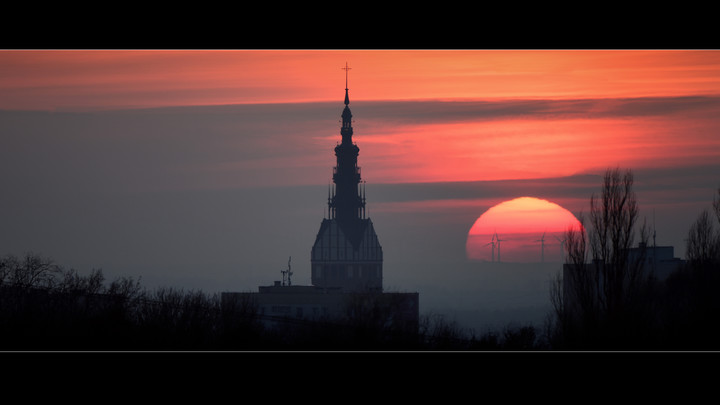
(208,169)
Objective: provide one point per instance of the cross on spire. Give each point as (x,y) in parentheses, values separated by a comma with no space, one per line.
(346,68)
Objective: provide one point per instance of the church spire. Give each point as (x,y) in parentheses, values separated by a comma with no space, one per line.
(346,204)
(346,131)
(346,68)
(347,253)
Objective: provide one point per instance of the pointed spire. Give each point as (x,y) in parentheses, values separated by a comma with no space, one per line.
(347,98)
(346,129)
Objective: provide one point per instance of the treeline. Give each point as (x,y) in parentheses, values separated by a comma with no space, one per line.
(609,299)
(44,306)
(606,299)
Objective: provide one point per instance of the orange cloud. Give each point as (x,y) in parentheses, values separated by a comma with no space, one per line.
(33,79)
(536,148)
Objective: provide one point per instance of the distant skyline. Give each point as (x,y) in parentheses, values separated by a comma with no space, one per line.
(208,168)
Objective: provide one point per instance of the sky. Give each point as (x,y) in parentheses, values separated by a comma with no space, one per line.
(209,169)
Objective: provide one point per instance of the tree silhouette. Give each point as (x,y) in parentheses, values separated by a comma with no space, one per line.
(691,303)
(32,271)
(604,302)
(44,306)
(703,242)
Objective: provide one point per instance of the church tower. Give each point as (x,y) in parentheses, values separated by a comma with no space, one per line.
(347,253)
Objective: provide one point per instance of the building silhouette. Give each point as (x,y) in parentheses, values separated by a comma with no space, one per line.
(658,262)
(346,259)
(347,253)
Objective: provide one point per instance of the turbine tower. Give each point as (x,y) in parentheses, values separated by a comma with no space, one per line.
(497,240)
(542,248)
(492,242)
(562,248)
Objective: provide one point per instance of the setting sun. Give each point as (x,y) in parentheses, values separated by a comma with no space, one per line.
(524,229)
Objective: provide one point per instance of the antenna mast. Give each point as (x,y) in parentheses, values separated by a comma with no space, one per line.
(654,258)
(287,273)
(288,270)
(653,227)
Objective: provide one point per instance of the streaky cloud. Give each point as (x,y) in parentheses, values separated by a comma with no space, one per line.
(569,186)
(423,112)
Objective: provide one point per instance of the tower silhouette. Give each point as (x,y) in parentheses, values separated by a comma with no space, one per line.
(347,253)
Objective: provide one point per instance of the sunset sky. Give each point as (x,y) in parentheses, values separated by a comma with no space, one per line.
(492,114)
(208,168)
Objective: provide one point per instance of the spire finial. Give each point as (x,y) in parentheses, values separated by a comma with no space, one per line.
(346,68)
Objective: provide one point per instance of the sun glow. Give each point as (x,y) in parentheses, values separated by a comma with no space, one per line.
(524,229)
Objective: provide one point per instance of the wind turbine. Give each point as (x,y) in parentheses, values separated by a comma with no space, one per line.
(497,239)
(562,248)
(542,248)
(492,242)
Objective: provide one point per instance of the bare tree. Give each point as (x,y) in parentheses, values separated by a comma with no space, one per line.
(716,205)
(703,243)
(73,282)
(702,250)
(32,271)
(612,232)
(610,290)
(691,303)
